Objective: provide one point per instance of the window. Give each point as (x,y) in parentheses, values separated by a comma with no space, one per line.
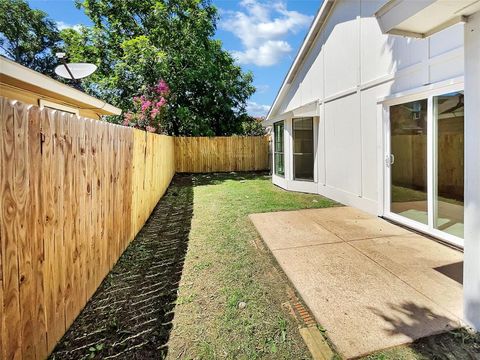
(303,158)
(279,156)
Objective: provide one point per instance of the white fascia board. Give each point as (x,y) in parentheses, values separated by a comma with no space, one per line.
(273,119)
(308,110)
(395,12)
(315,28)
(21,73)
(423,18)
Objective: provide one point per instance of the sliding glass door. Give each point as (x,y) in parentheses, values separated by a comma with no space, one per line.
(408,160)
(425,164)
(449,163)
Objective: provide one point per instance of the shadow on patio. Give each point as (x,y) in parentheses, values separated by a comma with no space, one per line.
(371,284)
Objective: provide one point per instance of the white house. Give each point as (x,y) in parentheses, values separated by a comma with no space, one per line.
(380,111)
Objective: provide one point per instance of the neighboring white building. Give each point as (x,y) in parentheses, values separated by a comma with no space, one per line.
(390,124)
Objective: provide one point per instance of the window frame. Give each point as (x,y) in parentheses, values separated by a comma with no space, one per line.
(424,92)
(280,124)
(312,179)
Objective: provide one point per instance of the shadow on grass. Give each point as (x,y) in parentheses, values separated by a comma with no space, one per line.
(415,321)
(130,315)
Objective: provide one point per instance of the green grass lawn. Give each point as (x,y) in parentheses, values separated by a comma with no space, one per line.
(226,263)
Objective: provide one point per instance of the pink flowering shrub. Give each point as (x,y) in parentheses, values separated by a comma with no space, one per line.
(149,109)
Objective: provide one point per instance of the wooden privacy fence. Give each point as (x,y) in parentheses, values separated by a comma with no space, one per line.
(410,158)
(74,193)
(219,154)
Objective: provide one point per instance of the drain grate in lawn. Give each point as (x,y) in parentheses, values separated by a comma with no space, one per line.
(130,316)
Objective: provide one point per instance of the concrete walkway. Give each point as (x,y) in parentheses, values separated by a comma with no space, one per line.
(369,283)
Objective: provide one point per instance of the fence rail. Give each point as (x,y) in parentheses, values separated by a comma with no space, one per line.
(74,193)
(221,154)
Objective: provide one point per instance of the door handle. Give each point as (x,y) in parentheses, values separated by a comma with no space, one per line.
(389,160)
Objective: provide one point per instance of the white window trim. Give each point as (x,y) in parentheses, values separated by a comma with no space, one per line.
(52,105)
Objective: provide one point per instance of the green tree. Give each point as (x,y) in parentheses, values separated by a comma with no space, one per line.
(28,36)
(136,43)
(253,126)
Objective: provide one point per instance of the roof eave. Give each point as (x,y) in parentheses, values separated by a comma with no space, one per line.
(12,72)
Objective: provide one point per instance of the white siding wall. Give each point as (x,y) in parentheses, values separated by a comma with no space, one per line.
(349,67)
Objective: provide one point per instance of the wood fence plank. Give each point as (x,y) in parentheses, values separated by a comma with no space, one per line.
(58,243)
(69,223)
(35,229)
(3,333)
(48,217)
(11,294)
(83,211)
(24,246)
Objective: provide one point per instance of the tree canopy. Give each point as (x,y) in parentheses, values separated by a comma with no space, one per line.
(136,43)
(28,36)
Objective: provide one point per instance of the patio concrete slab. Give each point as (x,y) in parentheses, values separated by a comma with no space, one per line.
(419,261)
(385,289)
(292,227)
(353,226)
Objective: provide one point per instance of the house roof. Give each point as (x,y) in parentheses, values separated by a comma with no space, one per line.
(315,28)
(21,77)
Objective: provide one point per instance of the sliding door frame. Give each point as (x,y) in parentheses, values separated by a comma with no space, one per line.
(431,160)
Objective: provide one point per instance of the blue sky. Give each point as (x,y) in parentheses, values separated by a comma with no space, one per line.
(263,35)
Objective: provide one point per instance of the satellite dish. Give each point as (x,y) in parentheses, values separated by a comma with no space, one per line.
(75,71)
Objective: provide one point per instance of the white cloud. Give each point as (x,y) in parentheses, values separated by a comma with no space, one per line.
(266,54)
(62,25)
(262,88)
(256,109)
(262,29)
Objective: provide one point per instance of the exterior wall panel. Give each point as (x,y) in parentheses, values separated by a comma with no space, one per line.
(341,56)
(349,67)
(343,144)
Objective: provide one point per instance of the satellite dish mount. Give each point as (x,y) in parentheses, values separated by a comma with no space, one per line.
(73,71)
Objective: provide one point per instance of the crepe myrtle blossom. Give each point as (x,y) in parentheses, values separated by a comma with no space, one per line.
(145,105)
(149,109)
(162,88)
(161,102)
(154,113)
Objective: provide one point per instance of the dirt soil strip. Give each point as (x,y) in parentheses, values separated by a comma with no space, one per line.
(130,315)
